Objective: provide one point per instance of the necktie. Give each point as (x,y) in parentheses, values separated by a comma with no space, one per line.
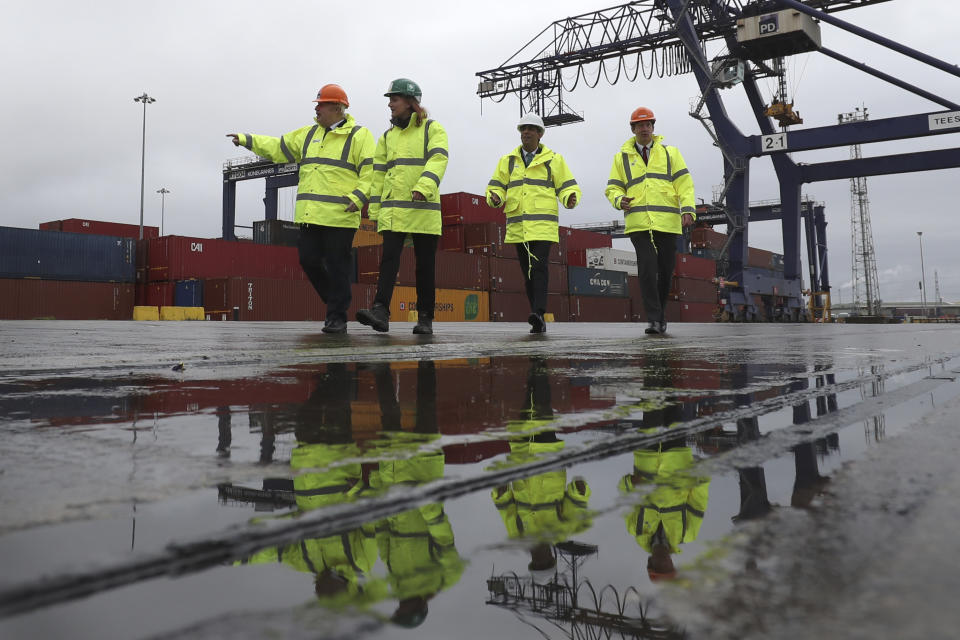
(643,152)
(527,158)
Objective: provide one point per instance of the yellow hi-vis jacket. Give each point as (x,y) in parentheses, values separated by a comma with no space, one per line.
(408,159)
(335,169)
(678,503)
(662,190)
(543,506)
(529,194)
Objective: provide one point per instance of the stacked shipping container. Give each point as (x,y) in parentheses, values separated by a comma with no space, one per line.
(478,275)
(65,275)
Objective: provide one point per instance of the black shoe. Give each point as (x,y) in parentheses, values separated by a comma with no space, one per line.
(335,325)
(663,327)
(537,323)
(653,328)
(424,327)
(377,317)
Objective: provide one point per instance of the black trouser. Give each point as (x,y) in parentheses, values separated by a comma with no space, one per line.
(536,276)
(325,258)
(655,263)
(425,251)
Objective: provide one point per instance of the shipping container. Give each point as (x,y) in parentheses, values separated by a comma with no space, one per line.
(279,232)
(462,271)
(188,293)
(157,294)
(487,238)
(612,259)
(468,208)
(273,300)
(682,311)
(693,290)
(584,239)
(368,265)
(506,276)
(451,238)
(56,255)
(599,308)
(690,266)
(450,305)
(101,228)
(707,238)
(182,258)
(577,257)
(514,307)
(31,299)
(597,282)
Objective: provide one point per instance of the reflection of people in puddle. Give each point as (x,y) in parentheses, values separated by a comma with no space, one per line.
(672,513)
(340,563)
(417,545)
(543,508)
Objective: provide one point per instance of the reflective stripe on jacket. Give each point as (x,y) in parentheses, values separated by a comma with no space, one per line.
(662,190)
(529,194)
(335,169)
(408,159)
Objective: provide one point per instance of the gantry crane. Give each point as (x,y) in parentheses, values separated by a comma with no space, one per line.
(669,37)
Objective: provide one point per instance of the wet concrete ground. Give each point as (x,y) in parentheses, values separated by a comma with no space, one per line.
(251,479)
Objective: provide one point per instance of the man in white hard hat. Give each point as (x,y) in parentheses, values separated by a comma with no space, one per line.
(527,183)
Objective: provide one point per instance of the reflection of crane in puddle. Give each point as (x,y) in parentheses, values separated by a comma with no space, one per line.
(875,427)
(608,614)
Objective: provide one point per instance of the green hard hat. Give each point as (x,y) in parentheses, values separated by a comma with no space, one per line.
(404,87)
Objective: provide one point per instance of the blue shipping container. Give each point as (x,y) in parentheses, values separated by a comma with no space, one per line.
(188,293)
(57,255)
(597,282)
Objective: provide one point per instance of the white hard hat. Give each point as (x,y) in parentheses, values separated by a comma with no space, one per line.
(531,118)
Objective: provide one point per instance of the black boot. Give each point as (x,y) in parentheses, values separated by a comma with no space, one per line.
(424,327)
(537,323)
(377,317)
(335,325)
(653,328)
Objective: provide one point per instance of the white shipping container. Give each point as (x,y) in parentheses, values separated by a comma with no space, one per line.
(612,260)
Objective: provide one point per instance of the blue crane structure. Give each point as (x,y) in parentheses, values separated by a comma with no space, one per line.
(672,34)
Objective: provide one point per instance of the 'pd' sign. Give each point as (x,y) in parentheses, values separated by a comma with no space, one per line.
(769,24)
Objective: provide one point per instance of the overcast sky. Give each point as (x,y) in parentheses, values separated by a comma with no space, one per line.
(73,132)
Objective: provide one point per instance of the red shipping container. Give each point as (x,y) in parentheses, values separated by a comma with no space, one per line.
(102,228)
(451,238)
(584,239)
(470,206)
(693,290)
(599,309)
(158,294)
(691,311)
(760,258)
(506,276)
(274,300)
(29,299)
(462,271)
(690,266)
(182,258)
(577,257)
(487,236)
(514,307)
(705,237)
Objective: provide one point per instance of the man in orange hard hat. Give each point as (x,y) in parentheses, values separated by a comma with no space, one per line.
(336,167)
(650,183)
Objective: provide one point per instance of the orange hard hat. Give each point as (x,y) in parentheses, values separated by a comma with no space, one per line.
(642,113)
(332,93)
